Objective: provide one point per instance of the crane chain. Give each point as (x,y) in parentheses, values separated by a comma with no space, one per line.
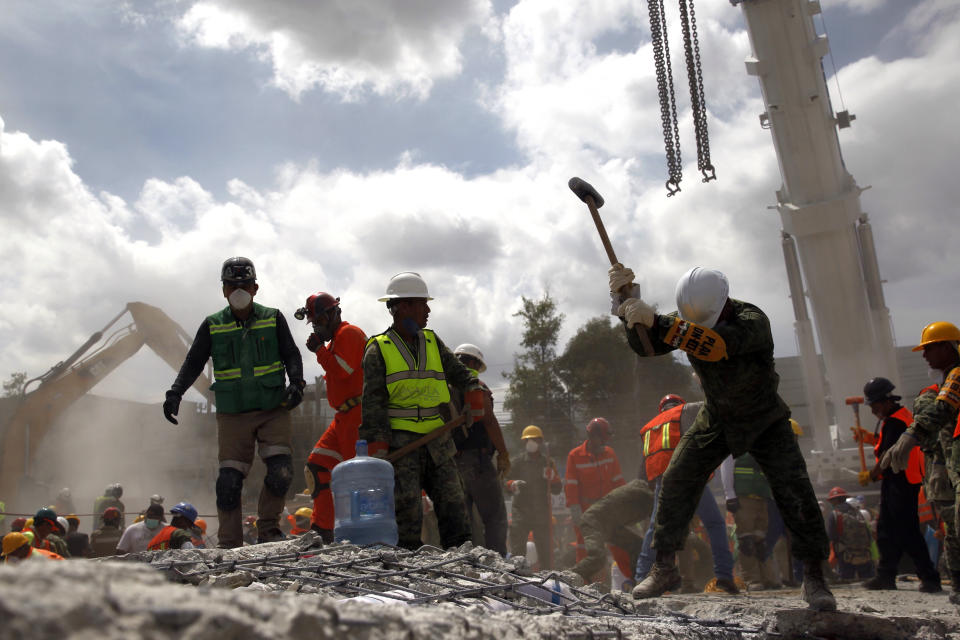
(698,105)
(668,103)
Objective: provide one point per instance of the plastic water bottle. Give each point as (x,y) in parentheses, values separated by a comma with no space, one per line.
(363,500)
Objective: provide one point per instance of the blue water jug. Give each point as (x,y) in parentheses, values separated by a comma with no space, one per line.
(363,500)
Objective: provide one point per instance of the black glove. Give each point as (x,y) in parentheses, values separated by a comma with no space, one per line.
(314,342)
(292,397)
(171,406)
(733,505)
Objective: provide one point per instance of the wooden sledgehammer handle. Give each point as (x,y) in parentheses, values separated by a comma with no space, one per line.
(430,437)
(585,191)
(855,402)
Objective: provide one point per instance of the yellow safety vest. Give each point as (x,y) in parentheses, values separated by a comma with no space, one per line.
(416,385)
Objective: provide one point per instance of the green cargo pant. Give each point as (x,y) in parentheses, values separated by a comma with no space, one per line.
(610,520)
(701,450)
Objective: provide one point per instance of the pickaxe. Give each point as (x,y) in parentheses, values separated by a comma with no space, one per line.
(585,191)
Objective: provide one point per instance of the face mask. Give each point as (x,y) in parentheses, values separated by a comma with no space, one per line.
(532,446)
(410,326)
(935,375)
(240,299)
(151,523)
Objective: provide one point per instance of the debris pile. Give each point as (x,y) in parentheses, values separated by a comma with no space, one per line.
(298,588)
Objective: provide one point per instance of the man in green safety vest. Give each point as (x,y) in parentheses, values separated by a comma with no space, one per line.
(406,370)
(251,347)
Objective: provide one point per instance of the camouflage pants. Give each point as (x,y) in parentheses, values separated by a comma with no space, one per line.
(701,450)
(609,520)
(482,488)
(419,471)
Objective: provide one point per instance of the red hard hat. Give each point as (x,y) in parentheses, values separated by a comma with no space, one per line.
(669,400)
(599,426)
(836,492)
(111,513)
(320,302)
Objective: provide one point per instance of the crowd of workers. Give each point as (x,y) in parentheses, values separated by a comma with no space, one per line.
(413,399)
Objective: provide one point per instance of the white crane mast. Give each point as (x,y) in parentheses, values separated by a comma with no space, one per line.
(827,241)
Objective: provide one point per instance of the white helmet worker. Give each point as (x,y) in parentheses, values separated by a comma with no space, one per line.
(701,295)
(474,352)
(406,284)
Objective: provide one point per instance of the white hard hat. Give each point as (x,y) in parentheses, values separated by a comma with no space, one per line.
(63,523)
(473,351)
(406,285)
(701,295)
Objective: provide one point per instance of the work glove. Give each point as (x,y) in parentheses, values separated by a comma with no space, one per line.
(864,478)
(377,449)
(313,483)
(897,456)
(314,342)
(636,311)
(503,464)
(620,276)
(171,406)
(938,482)
(475,400)
(575,514)
(862,435)
(292,397)
(733,505)
(617,298)
(516,486)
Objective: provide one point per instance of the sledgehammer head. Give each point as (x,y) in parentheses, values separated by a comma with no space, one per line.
(855,400)
(583,189)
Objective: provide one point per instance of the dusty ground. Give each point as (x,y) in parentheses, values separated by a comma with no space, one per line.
(296,590)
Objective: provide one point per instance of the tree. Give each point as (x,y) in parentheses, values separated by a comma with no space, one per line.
(14,384)
(536,394)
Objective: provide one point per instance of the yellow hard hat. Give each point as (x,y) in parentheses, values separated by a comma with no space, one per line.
(938,332)
(531,431)
(13,541)
(797,429)
(303,512)
(139,518)
(28,524)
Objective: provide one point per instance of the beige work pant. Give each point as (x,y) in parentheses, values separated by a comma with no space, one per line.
(239,437)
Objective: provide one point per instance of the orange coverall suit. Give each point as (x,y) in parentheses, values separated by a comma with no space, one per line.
(341,362)
(590,477)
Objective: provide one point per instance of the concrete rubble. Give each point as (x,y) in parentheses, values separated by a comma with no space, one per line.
(297,588)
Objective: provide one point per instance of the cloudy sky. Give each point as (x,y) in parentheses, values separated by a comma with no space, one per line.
(337,143)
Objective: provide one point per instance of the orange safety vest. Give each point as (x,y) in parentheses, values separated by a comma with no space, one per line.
(915,464)
(44,544)
(660,437)
(161,541)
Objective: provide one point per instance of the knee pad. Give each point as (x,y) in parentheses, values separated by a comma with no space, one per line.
(229,489)
(279,474)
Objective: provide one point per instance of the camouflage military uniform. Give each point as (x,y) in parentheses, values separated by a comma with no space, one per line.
(611,519)
(430,468)
(933,423)
(743,413)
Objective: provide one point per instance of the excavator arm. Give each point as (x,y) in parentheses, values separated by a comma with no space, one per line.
(66,382)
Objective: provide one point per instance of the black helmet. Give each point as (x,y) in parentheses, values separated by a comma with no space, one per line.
(879,389)
(238,270)
(114,490)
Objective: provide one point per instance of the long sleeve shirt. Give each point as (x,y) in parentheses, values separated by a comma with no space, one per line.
(342,362)
(930,417)
(199,353)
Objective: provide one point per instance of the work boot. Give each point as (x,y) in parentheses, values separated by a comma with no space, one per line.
(230,534)
(663,577)
(814,589)
(270,535)
(880,583)
(955,581)
(727,586)
(931,585)
(325,534)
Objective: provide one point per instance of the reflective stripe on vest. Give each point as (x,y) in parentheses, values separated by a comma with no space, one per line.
(660,437)
(416,385)
(247,369)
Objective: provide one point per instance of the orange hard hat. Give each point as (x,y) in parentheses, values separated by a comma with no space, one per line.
(201,524)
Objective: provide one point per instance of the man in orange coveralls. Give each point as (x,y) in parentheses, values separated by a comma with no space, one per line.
(341,362)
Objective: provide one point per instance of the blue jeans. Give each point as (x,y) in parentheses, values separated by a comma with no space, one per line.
(713,522)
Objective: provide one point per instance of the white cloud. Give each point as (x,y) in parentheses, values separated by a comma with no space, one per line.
(346,48)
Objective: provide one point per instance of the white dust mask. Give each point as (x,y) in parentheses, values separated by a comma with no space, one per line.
(532,446)
(240,299)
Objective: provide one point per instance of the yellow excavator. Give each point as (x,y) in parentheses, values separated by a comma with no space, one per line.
(70,379)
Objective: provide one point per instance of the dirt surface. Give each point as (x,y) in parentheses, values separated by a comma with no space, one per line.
(295,589)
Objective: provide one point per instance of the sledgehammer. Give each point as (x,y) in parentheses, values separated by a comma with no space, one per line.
(585,191)
(855,402)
